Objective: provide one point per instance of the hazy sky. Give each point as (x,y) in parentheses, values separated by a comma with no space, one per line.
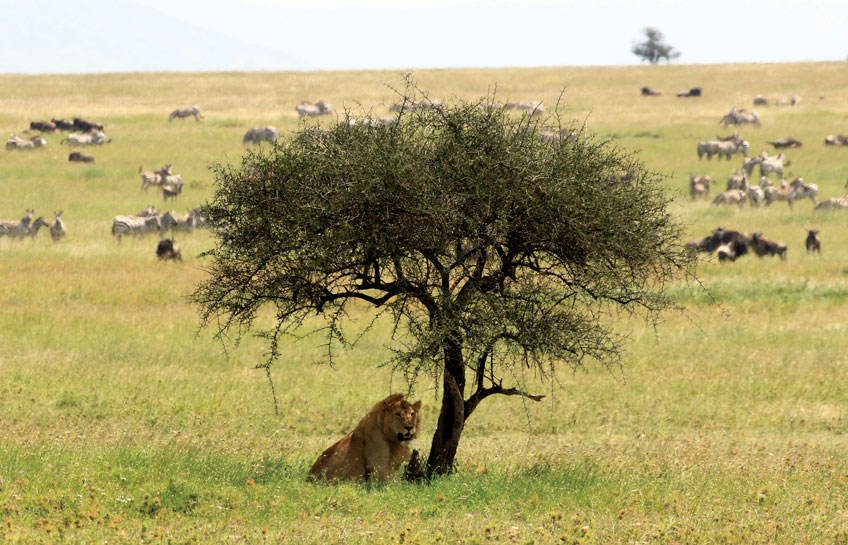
(396,34)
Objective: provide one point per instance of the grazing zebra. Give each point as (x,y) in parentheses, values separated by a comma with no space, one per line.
(134,225)
(802,190)
(532,108)
(159,177)
(257,134)
(835,140)
(307,109)
(57,228)
(178,223)
(171,190)
(833,203)
(15,142)
(756,195)
(738,117)
(186,111)
(92,138)
(723,148)
(782,193)
(737,181)
(772,164)
(19,228)
(731,196)
(413,106)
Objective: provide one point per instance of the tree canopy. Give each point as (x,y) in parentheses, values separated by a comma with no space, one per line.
(653,49)
(496,244)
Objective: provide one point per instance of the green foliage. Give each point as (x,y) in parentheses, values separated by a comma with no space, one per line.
(653,49)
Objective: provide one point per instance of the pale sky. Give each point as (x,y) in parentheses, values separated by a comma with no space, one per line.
(398,34)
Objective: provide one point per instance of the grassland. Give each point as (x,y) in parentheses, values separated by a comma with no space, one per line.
(121,423)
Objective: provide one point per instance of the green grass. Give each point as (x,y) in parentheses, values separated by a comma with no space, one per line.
(121,422)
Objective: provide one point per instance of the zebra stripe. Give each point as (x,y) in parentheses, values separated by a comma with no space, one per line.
(134,225)
(833,203)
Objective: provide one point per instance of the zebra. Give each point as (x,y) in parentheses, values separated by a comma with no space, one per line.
(737,117)
(802,190)
(15,142)
(57,228)
(307,109)
(257,134)
(134,225)
(178,223)
(19,228)
(159,177)
(36,225)
(92,138)
(531,108)
(833,203)
(724,148)
(772,164)
(186,111)
(699,186)
(172,190)
(731,196)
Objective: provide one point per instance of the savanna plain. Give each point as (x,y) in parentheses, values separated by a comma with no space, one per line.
(123,422)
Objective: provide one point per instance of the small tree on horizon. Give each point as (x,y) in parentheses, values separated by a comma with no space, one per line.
(653,49)
(496,247)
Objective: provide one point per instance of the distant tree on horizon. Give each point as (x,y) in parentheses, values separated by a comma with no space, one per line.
(653,49)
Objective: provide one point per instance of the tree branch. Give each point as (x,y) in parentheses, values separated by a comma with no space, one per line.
(482,393)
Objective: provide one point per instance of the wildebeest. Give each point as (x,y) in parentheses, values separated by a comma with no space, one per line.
(166,249)
(80,157)
(57,227)
(307,109)
(257,134)
(735,243)
(738,117)
(81,125)
(15,142)
(760,101)
(699,186)
(62,125)
(835,140)
(693,92)
(762,246)
(648,92)
(787,142)
(92,138)
(813,242)
(186,111)
(42,126)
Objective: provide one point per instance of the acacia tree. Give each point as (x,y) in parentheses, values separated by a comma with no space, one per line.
(496,246)
(653,49)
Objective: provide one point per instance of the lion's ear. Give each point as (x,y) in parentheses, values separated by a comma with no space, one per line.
(392,400)
(417,405)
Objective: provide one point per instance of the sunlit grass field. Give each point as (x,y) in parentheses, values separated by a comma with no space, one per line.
(121,422)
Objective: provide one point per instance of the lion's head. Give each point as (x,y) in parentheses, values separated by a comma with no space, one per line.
(400,418)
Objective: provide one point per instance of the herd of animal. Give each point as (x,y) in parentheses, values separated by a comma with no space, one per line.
(730,244)
(26,227)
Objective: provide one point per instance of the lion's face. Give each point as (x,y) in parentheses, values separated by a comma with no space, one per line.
(400,420)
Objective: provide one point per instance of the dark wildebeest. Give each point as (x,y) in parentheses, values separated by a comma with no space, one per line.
(763,246)
(693,92)
(648,92)
(79,157)
(62,125)
(737,243)
(167,250)
(81,125)
(787,142)
(42,126)
(813,241)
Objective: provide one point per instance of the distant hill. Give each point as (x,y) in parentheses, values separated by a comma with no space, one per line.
(45,36)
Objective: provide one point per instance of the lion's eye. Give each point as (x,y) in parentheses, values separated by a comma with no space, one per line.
(398,416)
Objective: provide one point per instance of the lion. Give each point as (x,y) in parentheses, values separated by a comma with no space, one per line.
(375,448)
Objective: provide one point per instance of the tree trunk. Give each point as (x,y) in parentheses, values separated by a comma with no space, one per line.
(452,416)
